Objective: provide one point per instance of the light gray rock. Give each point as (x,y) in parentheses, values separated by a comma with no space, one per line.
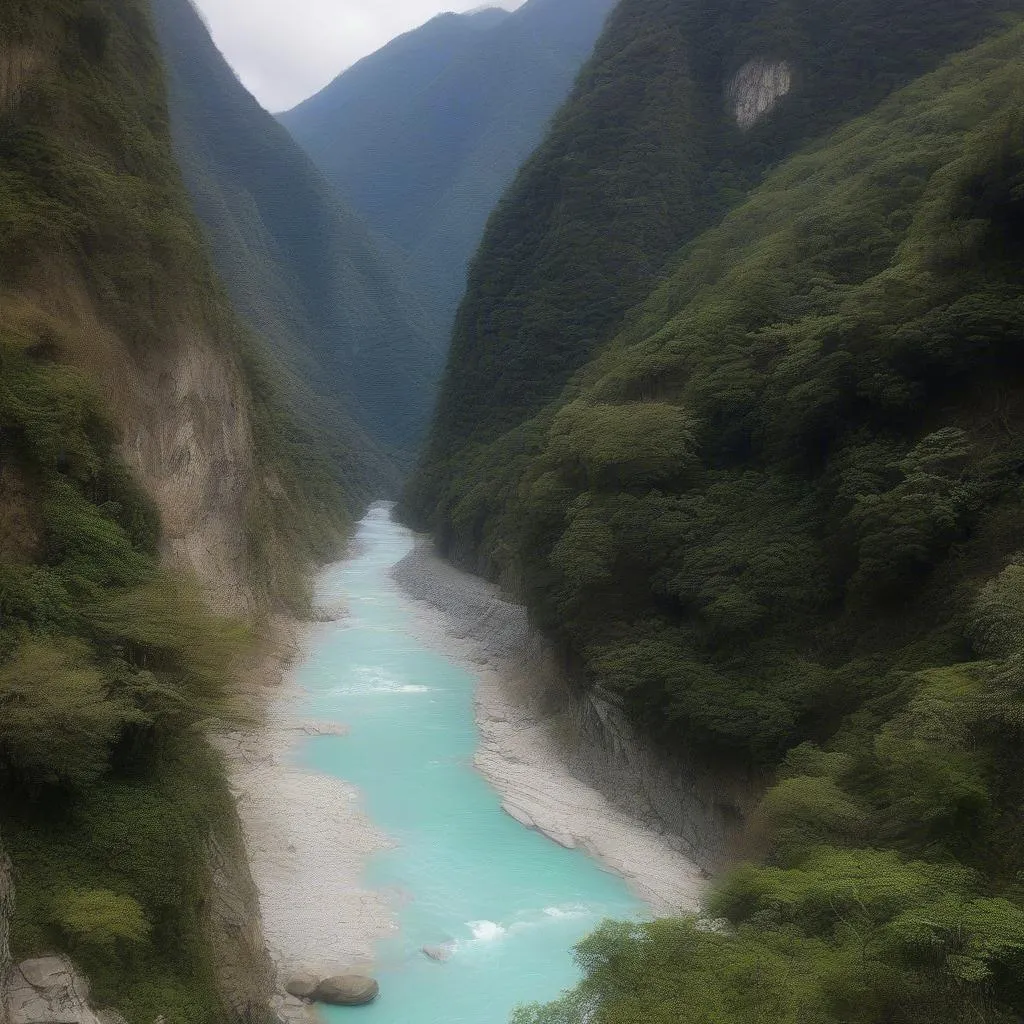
(302,984)
(110,1016)
(756,89)
(48,990)
(347,990)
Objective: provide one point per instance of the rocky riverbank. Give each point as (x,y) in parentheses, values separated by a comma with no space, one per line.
(540,750)
(307,838)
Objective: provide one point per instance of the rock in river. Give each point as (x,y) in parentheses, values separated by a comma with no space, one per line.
(346,990)
(438,953)
(302,984)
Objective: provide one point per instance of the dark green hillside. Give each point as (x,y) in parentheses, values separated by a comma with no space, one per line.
(423,136)
(646,153)
(298,264)
(111,666)
(780,519)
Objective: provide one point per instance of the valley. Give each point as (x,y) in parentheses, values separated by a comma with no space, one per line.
(533,534)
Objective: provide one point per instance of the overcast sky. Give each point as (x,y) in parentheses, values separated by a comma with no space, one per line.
(285,50)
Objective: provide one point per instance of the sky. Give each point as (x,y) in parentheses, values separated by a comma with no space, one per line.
(286,50)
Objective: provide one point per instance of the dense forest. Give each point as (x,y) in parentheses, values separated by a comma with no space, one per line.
(645,154)
(424,135)
(774,509)
(139,424)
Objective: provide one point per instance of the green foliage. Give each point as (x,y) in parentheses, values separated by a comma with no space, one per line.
(110,668)
(644,156)
(98,917)
(778,519)
(57,723)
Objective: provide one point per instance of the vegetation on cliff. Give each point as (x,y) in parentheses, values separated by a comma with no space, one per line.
(779,519)
(111,666)
(646,153)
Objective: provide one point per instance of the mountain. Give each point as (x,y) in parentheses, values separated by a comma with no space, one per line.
(423,136)
(660,137)
(299,265)
(159,503)
(734,406)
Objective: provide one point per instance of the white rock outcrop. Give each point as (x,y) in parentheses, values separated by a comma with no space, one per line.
(756,89)
(48,990)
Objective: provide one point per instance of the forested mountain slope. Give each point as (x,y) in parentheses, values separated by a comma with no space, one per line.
(148,473)
(780,520)
(299,265)
(682,108)
(423,136)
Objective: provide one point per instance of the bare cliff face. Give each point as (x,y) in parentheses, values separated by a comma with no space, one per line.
(6,907)
(756,89)
(185,430)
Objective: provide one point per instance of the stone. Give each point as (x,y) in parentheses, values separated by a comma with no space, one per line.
(346,990)
(48,990)
(110,1016)
(439,953)
(302,984)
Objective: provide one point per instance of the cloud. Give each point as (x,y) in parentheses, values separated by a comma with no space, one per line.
(285,50)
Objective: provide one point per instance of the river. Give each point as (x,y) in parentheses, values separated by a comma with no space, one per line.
(509,902)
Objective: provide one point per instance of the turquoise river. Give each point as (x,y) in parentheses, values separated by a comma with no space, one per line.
(511,902)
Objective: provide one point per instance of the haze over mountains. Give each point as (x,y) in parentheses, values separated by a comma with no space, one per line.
(299,264)
(423,136)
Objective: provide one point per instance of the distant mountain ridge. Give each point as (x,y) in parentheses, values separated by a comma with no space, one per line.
(423,136)
(300,266)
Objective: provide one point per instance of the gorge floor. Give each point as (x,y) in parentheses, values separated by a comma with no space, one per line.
(393,841)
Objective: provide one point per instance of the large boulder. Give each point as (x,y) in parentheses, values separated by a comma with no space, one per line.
(302,984)
(346,990)
(48,990)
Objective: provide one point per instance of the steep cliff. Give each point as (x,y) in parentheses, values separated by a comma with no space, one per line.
(153,481)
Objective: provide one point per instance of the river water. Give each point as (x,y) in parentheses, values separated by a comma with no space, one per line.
(509,901)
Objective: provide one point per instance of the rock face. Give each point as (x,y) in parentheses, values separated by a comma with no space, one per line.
(756,88)
(347,990)
(6,909)
(245,974)
(48,990)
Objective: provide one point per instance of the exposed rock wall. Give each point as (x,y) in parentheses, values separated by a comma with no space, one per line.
(6,909)
(756,89)
(18,64)
(245,974)
(48,990)
(180,402)
(702,808)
